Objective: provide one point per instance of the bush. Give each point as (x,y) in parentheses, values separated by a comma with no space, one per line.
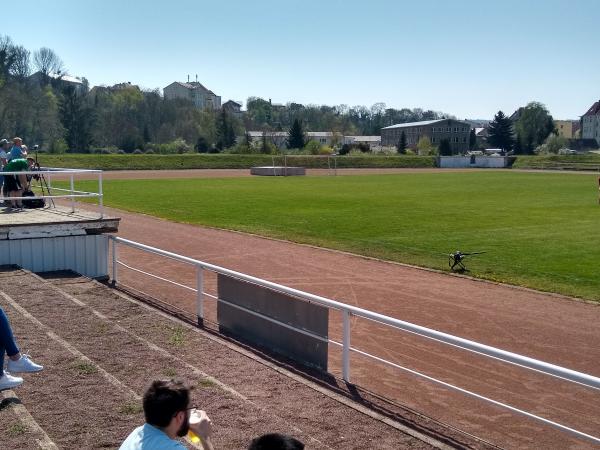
(345,149)
(202,145)
(312,148)
(325,150)
(121,152)
(137,151)
(364,147)
(58,146)
(149,151)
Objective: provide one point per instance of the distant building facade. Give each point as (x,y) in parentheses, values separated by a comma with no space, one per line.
(114,88)
(232,107)
(79,84)
(456,131)
(328,138)
(371,141)
(195,92)
(590,123)
(567,128)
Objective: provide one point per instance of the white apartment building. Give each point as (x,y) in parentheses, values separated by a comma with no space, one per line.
(201,97)
(590,123)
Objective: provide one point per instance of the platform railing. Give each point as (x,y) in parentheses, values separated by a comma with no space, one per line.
(348,311)
(44,176)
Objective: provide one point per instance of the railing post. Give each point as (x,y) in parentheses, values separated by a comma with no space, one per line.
(346,348)
(101,199)
(200,295)
(72,198)
(114,261)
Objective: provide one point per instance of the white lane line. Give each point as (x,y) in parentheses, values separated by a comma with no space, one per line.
(44,443)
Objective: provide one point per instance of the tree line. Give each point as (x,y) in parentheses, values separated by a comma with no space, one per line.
(61,117)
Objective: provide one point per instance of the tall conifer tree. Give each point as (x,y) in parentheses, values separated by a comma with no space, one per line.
(500,132)
(296,137)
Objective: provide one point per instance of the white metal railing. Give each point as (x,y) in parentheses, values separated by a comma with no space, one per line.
(44,176)
(347,311)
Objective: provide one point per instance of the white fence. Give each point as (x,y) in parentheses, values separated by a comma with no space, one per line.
(348,311)
(45,174)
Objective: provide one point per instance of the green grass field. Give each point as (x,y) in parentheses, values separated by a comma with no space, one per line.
(539,230)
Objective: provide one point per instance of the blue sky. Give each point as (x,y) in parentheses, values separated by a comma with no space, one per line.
(467,58)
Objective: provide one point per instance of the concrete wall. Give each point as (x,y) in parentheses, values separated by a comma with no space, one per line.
(472,161)
(284,308)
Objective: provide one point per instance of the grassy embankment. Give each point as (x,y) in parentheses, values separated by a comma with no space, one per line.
(223,161)
(563,162)
(539,230)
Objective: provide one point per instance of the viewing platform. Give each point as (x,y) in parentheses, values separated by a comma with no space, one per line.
(56,236)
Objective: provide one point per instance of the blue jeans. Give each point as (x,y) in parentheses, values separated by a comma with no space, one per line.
(7,341)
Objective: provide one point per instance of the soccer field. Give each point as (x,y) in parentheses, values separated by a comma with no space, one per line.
(539,230)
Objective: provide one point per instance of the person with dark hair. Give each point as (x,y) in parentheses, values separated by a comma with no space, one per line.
(16,361)
(167,412)
(276,441)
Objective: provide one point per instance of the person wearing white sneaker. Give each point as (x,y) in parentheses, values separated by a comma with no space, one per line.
(17,362)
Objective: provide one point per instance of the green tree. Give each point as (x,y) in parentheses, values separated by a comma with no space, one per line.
(500,132)
(534,125)
(296,137)
(445,149)
(472,139)
(401,147)
(424,146)
(225,131)
(77,119)
(553,145)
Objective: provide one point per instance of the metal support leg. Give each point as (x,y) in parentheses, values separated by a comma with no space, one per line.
(200,295)
(346,348)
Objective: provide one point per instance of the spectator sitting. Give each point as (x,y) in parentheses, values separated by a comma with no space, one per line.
(15,184)
(16,361)
(167,412)
(17,151)
(276,441)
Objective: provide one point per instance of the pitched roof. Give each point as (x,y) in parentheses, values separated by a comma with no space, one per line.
(418,124)
(192,85)
(594,109)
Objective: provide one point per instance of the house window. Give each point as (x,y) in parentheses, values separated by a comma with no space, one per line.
(433,140)
(449,129)
(464,140)
(456,129)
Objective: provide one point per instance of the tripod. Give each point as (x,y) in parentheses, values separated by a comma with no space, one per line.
(41,178)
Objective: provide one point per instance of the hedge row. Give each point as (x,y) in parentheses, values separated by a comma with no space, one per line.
(561,162)
(226,161)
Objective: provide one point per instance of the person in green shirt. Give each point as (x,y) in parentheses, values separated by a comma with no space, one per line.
(15,184)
